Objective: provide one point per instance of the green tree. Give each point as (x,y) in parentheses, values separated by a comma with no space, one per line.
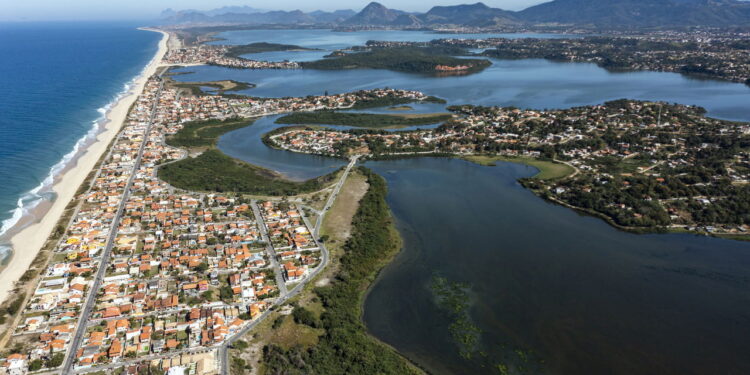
(35,365)
(56,360)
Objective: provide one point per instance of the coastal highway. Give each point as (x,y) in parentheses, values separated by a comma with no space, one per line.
(75,343)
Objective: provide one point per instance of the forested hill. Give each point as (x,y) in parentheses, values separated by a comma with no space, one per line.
(598,13)
(635,13)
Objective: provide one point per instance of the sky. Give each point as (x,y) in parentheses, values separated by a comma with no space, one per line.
(44,10)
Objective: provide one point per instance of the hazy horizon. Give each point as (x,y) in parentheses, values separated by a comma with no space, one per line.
(48,10)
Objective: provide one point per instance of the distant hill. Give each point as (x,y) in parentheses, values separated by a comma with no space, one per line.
(477,14)
(376,14)
(635,13)
(335,17)
(601,13)
(249,16)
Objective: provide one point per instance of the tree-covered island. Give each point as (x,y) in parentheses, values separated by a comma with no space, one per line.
(713,58)
(433,60)
(437,60)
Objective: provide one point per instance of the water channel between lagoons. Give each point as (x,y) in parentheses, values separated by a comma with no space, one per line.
(550,290)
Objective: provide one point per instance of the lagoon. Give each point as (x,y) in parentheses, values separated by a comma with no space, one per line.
(552,291)
(571,293)
(535,84)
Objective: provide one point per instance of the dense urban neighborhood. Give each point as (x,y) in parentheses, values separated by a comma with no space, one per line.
(217,55)
(148,276)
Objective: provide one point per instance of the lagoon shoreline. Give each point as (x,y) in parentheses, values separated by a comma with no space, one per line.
(28,241)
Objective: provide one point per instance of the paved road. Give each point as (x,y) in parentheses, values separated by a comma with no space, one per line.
(119,364)
(93,291)
(332,197)
(223,352)
(269,249)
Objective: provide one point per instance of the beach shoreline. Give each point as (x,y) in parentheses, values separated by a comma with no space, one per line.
(28,241)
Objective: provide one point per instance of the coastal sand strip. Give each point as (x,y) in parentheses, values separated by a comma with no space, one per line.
(28,242)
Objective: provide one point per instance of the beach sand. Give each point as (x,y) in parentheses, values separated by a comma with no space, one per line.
(29,241)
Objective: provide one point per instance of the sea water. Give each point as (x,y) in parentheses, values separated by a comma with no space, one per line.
(57,80)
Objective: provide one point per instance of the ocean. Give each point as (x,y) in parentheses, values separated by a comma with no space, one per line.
(57,80)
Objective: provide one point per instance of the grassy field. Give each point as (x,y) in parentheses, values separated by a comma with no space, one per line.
(290,334)
(548,170)
(338,222)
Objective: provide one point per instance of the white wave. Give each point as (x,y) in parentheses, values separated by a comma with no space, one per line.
(31,199)
(5,251)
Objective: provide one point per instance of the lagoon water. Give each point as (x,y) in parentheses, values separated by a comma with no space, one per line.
(57,79)
(571,293)
(553,292)
(523,83)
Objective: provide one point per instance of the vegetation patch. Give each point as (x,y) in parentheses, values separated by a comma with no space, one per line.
(430,60)
(345,347)
(389,101)
(364,120)
(548,169)
(453,298)
(205,133)
(215,171)
(292,331)
(238,51)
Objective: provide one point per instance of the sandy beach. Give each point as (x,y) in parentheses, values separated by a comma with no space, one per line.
(29,241)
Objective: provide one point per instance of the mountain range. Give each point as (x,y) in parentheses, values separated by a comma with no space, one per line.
(598,13)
